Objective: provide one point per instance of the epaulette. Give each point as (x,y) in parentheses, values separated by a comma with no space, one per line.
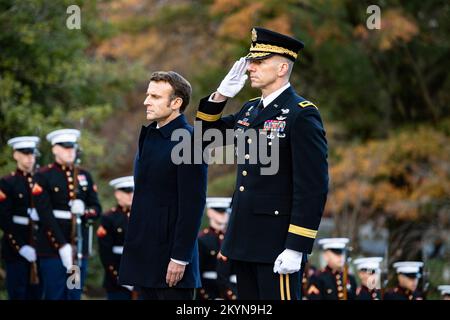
(306,103)
(253,99)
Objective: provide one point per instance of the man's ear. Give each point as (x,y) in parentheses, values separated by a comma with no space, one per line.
(283,68)
(176,103)
(15,155)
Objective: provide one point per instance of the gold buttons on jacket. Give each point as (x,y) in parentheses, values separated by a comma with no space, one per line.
(247,156)
(249,141)
(244,173)
(276,212)
(241,188)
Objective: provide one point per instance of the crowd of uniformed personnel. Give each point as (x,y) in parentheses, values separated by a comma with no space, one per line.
(47,214)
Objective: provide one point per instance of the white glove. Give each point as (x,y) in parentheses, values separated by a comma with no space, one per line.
(77,207)
(289,261)
(234,81)
(28,253)
(130,288)
(65,252)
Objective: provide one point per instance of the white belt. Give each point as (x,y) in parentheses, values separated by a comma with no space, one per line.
(62,214)
(117,249)
(212,275)
(21,220)
(233,278)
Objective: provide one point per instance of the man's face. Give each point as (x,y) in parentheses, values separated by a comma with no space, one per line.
(25,162)
(65,156)
(368,278)
(158,100)
(217,220)
(335,261)
(265,72)
(124,199)
(407,282)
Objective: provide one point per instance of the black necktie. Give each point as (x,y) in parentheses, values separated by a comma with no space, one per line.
(258,108)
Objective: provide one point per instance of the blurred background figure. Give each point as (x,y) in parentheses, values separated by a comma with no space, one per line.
(111,236)
(369,275)
(67,202)
(218,280)
(408,275)
(445,292)
(333,282)
(17,221)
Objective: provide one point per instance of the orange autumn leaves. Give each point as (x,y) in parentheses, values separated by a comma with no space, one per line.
(406,176)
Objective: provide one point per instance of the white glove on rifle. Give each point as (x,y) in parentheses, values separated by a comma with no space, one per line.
(234,81)
(289,261)
(77,207)
(130,288)
(28,253)
(65,252)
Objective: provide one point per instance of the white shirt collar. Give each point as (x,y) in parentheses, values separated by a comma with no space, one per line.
(268,100)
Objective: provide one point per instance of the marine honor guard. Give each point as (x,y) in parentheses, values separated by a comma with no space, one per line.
(218,281)
(111,237)
(369,274)
(334,282)
(408,275)
(65,197)
(18,220)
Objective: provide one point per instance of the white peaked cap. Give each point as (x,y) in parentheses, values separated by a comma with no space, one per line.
(218,202)
(63,135)
(333,243)
(122,182)
(24,142)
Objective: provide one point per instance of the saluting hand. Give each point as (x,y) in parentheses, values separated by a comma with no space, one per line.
(234,81)
(175,273)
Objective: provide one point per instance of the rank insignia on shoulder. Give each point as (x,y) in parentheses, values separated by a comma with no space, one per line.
(253,99)
(2,196)
(37,190)
(307,103)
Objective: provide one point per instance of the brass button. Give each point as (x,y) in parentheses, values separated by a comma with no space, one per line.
(71,194)
(339,282)
(249,141)
(71,186)
(67,173)
(247,156)
(276,212)
(20,195)
(30,179)
(84,188)
(329,291)
(241,188)
(56,189)
(244,173)
(340,295)
(212,252)
(338,276)
(340,288)
(270,143)
(70,179)
(119,230)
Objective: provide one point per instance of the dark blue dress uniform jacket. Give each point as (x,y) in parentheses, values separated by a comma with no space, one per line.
(274,212)
(15,199)
(166,212)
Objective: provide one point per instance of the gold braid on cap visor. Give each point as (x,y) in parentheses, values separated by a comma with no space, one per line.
(272,49)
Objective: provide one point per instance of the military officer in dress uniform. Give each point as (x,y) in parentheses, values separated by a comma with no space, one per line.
(111,236)
(18,220)
(277,207)
(66,200)
(218,281)
(333,282)
(369,274)
(445,292)
(408,274)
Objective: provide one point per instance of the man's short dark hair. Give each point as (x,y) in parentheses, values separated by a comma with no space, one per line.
(181,87)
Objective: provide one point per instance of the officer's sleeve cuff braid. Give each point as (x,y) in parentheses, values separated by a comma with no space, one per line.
(300,239)
(210,111)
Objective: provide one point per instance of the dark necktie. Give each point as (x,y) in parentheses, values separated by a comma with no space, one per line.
(258,109)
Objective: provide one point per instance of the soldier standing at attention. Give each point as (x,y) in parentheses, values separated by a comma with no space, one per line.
(276,215)
(111,237)
(408,274)
(18,220)
(64,193)
(369,274)
(333,282)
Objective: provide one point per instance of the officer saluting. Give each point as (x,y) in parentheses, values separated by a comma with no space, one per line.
(64,193)
(111,237)
(369,273)
(276,214)
(333,282)
(408,274)
(216,274)
(17,220)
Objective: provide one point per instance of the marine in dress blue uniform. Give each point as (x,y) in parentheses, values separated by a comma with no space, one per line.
(369,274)
(218,278)
(62,194)
(333,282)
(111,237)
(408,274)
(161,250)
(18,220)
(274,218)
